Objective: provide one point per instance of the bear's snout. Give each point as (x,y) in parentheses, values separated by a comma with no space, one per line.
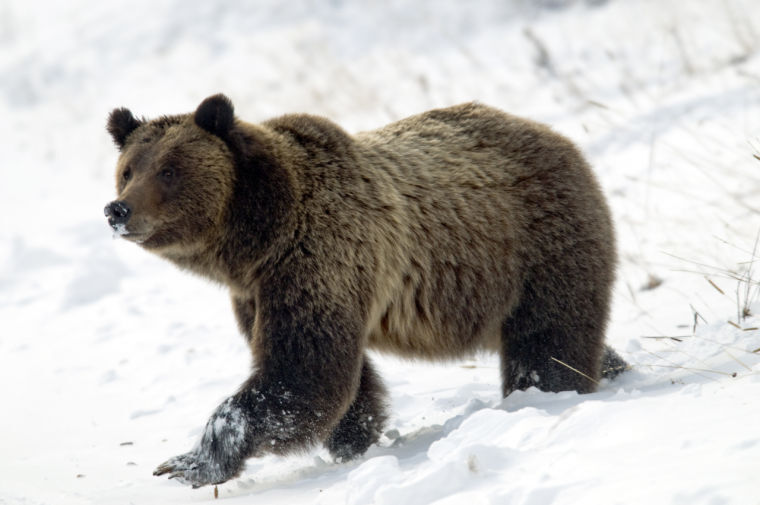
(118,213)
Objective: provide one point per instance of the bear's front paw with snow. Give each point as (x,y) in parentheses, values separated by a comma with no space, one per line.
(220,454)
(194,469)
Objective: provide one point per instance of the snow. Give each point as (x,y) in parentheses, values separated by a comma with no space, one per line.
(111,360)
(119,229)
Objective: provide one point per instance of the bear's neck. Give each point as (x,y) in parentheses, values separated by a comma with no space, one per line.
(199,259)
(261,218)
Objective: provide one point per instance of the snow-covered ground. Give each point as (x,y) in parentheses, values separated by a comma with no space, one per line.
(111,360)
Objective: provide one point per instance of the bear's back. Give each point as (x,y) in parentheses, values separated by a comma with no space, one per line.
(466,145)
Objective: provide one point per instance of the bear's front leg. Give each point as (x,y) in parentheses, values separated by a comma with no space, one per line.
(221,452)
(308,353)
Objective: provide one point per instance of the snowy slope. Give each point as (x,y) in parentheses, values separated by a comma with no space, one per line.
(111,360)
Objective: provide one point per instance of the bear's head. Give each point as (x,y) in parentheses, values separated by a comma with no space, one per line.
(174,177)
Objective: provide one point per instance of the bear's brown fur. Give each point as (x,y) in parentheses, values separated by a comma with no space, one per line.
(448,232)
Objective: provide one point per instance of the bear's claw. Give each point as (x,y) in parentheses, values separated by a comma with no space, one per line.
(220,454)
(190,469)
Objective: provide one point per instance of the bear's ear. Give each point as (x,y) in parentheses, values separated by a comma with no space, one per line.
(216,115)
(121,123)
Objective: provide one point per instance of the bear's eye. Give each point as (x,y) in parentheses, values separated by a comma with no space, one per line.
(166,173)
(127,174)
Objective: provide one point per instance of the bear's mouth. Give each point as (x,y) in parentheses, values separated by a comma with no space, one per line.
(120,231)
(135,237)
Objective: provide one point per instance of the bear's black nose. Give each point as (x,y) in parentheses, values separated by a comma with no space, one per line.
(117,213)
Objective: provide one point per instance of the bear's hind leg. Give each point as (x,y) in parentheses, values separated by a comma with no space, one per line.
(362,424)
(536,338)
(534,360)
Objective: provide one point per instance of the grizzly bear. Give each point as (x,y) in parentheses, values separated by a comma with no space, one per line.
(456,230)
